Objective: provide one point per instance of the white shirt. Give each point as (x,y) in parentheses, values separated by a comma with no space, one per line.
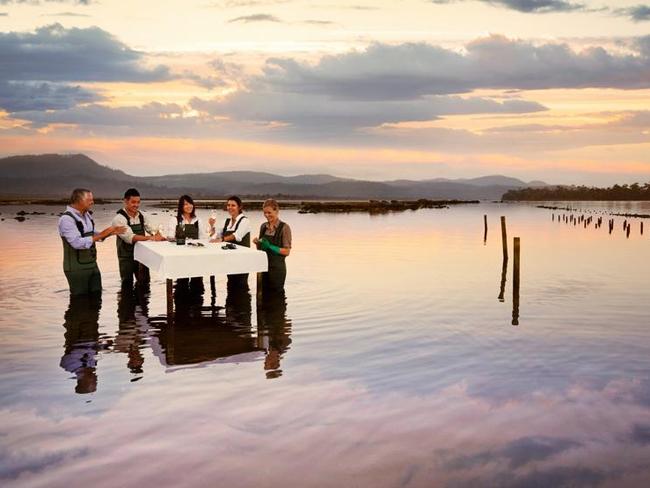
(171,227)
(127,236)
(243,229)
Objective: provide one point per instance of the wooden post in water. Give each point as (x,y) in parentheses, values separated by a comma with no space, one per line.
(641,228)
(504,272)
(627,232)
(485,225)
(504,238)
(515,281)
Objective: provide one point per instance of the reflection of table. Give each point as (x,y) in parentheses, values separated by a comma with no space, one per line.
(171,261)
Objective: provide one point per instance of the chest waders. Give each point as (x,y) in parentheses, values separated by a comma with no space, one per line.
(80,265)
(128,266)
(277,272)
(191,231)
(237,280)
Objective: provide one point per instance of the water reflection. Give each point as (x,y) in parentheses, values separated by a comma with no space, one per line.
(83,341)
(274,331)
(203,335)
(133,325)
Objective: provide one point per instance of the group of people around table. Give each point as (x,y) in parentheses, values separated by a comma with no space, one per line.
(131,225)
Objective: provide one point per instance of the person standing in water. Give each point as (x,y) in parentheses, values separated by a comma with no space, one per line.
(237,230)
(275,240)
(78,234)
(186,216)
(135,223)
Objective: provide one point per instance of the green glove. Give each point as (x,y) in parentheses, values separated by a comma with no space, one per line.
(274,249)
(264,244)
(267,246)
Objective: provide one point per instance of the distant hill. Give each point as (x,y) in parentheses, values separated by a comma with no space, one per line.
(55,175)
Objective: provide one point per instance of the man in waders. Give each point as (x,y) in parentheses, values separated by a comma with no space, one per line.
(136,229)
(78,234)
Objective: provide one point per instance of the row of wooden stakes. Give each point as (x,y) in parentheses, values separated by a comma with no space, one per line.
(598,223)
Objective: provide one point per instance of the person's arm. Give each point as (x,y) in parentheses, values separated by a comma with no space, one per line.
(68,230)
(243,229)
(127,234)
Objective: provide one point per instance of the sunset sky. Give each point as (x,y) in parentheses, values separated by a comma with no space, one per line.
(553,90)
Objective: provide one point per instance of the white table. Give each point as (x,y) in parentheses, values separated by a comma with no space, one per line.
(171,261)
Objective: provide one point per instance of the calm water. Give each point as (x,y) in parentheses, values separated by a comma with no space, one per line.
(391,363)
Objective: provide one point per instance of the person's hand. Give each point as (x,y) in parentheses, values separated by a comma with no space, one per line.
(216,239)
(159,237)
(256,240)
(265,245)
(117,229)
(211,220)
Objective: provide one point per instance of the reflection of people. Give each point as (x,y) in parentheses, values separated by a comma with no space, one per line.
(275,240)
(275,329)
(186,216)
(136,229)
(78,234)
(82,341)
(197,337)
(129,338)
(236,229)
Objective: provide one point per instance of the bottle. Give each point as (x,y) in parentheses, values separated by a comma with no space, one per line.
(180,235)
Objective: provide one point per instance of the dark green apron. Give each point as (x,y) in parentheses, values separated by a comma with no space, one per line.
(246,241)
(128,266)
(237,280)
(191,230)
(277,273)
(79,259)
(124,249)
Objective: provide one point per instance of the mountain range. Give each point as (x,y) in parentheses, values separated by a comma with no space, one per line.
(55,175)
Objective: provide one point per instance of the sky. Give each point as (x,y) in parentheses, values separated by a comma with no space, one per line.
(552,90)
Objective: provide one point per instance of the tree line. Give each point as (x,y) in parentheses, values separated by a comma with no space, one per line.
(634,191)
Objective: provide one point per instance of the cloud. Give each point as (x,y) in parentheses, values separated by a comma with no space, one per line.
(528,6)
(319,114)
(54,53)
(387,84)
(35,67)
(412,70)
(637,13)
(247,19)
(66,14)
(25,96)
(39,2)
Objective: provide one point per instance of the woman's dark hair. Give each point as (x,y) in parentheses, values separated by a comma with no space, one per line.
(181,203)
(238,201)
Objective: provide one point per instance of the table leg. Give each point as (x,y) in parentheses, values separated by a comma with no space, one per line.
(213,294)
(170,300)
(259,288)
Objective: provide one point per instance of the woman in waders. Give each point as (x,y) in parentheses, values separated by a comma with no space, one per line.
(237,230)
(275,240)
(185,216)
(191,227)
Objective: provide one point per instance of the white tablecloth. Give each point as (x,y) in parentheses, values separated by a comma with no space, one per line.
(171,261)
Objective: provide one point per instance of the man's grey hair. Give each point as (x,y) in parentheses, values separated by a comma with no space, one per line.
(78,194)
